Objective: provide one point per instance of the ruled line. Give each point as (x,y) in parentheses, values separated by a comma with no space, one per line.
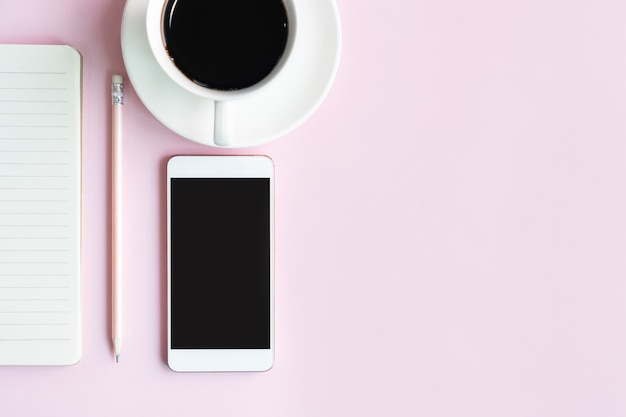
(35,340)
(33,275)
(31,114)
(35,312)
(34,88)
(35,72)
(33,101)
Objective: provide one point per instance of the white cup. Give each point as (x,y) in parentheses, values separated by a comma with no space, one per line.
(224,116)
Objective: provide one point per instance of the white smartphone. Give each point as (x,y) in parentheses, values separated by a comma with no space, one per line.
(220,255)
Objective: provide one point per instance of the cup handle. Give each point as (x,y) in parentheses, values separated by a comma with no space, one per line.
(224,124)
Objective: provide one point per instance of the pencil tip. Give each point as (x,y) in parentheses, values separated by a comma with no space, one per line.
(117,358)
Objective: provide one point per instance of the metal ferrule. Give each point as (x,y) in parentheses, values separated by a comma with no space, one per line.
(117,94)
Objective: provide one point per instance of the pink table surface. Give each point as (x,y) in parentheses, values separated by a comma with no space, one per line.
(451,223)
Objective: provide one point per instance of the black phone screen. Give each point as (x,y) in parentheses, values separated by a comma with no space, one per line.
(220,263)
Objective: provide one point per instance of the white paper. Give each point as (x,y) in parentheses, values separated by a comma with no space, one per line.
(40,139)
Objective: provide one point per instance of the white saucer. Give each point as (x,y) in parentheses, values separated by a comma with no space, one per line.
(276,110)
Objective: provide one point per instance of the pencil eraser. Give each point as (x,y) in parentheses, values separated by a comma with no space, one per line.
(117,79)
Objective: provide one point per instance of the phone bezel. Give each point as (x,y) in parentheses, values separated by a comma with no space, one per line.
(216,360)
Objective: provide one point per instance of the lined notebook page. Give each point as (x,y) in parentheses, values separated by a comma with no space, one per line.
(40,139)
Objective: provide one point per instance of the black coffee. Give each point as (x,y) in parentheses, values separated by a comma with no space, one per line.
(225,44)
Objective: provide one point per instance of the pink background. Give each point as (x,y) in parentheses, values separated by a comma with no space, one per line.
(451,223)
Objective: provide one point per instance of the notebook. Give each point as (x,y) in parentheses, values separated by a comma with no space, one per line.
(40,174)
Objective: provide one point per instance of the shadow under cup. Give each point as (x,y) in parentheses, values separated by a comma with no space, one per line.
(225,45)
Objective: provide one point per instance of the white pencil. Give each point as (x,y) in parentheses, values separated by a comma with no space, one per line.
(117,96)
